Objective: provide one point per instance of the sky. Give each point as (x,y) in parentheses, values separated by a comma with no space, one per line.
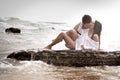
(69,11)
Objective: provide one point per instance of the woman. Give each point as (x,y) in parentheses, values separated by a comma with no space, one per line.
(89,38)
(70,36)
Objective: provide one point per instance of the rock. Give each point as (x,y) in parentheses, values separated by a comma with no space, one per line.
(21,55)
(53,28)
(13,30)
(76,58)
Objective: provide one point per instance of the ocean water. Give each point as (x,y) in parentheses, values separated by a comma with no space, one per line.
(36,36)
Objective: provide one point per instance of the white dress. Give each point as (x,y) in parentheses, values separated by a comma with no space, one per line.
(85,40)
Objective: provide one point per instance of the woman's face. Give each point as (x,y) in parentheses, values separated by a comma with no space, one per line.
(91,25)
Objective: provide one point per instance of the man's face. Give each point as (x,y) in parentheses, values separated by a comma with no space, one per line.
(87,25)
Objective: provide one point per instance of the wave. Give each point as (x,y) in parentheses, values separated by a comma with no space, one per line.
(9,65)
(18,23)
(33,35)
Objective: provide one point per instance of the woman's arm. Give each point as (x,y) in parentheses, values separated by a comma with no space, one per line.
(96,38)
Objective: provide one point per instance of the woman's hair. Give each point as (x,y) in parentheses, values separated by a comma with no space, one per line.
(97,28)
(86,19)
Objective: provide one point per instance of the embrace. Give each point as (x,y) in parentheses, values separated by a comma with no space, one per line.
(85,35)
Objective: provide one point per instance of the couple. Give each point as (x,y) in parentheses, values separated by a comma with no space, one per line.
(85,35)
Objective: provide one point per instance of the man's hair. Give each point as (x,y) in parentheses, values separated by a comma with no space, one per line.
(86,19)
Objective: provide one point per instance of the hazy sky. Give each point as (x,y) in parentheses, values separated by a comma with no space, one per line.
(59,10)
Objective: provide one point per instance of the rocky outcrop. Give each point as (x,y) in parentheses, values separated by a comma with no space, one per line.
(70,57)
(13,30)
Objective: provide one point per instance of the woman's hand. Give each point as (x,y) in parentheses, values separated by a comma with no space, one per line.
(82,46)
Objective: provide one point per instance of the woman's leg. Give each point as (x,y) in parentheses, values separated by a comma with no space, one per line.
(67,37)
(72,34)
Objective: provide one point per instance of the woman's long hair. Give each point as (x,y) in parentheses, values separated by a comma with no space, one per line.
(97,29)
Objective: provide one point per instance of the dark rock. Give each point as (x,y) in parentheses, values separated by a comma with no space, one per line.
(21,55)
(70,57)
(13,30)
(53,28)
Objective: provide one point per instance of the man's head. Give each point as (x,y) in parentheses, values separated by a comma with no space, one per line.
(86,20)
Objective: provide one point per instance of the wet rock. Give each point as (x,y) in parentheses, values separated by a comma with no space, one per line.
(53,28)
(13,30)
(20,55)
(77,58)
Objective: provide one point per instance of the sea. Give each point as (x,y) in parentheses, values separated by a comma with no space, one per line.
(35,36)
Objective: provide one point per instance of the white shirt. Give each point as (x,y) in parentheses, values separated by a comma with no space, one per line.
(85,40)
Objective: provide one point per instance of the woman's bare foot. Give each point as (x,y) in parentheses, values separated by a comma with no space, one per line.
(47,47)
(53,40)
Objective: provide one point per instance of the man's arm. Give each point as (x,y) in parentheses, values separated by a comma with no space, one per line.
(76,26)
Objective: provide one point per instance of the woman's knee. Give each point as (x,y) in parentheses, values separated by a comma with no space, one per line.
(73,34)
(71,31)
(62,33)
